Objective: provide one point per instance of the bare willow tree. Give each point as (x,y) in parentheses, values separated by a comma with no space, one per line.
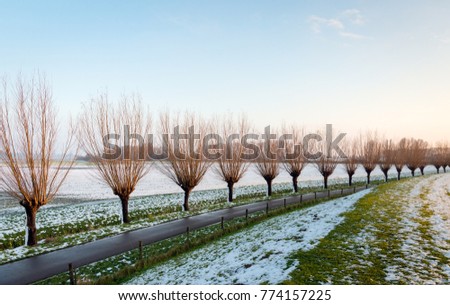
(438,156)
(400,156)
(424,160)
(369,152)
(326,167)
(267,162)
(184,142)
(325,160)
(387,157)
(446,158)
(32,171)
(351,161)
(231,164)
(292,156)
(422,149)
(416,155)
(120,165)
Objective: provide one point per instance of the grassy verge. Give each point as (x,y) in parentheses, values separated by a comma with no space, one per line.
(385,239)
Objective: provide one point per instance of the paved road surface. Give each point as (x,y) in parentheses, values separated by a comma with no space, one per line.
(42,266)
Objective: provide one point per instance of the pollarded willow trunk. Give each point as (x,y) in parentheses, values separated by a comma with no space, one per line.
(187,192)
(350,179)
(230,191)
(325,181)
(295,183)
(422,170)
(31,225)
(269,186)
(368,172)
(385,172)
(412,172)
(124,201)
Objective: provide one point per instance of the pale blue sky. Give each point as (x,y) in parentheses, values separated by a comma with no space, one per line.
(357,64)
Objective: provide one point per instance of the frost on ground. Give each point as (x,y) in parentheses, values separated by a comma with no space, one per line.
(257,255)
(398,234)
(425,229)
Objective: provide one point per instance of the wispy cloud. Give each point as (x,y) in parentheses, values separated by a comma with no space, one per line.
(317,23)
(354,16)
(352,35)
(339,24)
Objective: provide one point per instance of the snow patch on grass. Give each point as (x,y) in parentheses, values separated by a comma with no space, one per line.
(425,228)
(257,255)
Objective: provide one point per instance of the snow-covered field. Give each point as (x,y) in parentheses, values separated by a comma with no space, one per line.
(257,255)
(430,197)
(81,182)
(82,185)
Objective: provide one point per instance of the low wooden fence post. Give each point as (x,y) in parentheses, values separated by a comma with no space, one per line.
(72,275)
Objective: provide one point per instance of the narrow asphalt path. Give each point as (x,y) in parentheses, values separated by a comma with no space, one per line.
(39,267)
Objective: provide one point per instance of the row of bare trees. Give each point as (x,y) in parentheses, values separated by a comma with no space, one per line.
(186,164)
(34,165)
(373,151)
